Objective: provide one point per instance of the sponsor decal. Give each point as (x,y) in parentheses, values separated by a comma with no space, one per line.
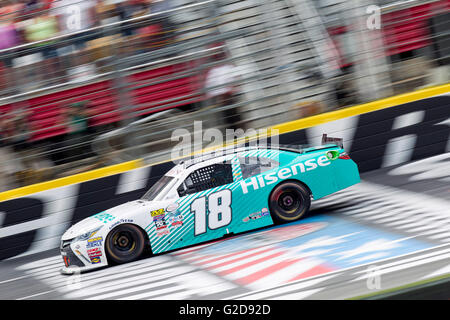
(104,217)
(94,242)
(160,223)
(256,215)
(94,255)
(175,220)
(81,255)
(172,207)
(95,260)
(115,224)
(284,173)
(94,252)
(158,212)
(163,232)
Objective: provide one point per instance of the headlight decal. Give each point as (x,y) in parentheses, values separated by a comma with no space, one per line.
(87,235)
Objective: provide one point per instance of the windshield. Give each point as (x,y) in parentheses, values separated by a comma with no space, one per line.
(156,188)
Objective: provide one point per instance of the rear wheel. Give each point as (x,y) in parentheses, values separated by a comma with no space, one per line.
(125,243)
(289,201)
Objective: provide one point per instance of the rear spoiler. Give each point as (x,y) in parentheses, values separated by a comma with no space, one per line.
(337,141)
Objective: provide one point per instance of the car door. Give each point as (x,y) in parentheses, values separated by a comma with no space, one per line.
(203,208)
(250,198)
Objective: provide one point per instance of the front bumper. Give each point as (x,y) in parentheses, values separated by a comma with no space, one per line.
(75,261)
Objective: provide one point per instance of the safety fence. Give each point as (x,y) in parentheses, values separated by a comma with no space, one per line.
(111,83)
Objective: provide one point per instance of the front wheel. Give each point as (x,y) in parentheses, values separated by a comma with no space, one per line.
(125,243)
(289,201)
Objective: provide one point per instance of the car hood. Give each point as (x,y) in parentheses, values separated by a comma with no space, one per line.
(125,210)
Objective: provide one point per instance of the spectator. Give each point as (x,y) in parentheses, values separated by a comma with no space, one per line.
(18,139)
(78,119)
(150,37)
(107,11)
(31,7)
(220,91)
(8,38)
(129,9)
(9,164)
(20,134)
(164,18)
(77,122)
(158,31)
(76,17)
(3,132)
(21,165)
(41,28)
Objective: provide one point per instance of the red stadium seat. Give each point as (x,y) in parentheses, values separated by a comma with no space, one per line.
(47,111)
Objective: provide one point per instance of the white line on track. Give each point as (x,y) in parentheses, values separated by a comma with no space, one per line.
(134,289)
(407,260)
(110,280)
(297,295)
(439,272)
(35,295)
(129,282)
(264,294)
(167,293)
(13,279)
(40,263)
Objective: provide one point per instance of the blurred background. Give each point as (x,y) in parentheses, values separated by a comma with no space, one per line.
(90,83)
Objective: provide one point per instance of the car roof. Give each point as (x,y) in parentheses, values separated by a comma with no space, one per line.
(225,154)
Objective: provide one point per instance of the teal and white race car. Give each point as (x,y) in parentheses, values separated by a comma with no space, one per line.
(209,198)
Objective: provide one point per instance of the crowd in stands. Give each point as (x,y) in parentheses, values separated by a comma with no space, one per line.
(56,127)
(79,46)
(48,43)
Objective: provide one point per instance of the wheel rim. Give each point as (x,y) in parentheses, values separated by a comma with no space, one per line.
(124,242)
(289,201)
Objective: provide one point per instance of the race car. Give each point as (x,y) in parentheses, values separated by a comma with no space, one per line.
(211,197)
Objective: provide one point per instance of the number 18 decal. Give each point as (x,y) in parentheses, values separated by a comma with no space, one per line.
(219,208)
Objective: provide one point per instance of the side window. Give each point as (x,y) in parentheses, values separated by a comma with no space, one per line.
(252,166)
(206,178)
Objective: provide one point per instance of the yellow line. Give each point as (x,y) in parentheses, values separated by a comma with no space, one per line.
(77,178)
(282,128)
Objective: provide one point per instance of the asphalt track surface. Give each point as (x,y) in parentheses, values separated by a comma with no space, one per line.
(390,230)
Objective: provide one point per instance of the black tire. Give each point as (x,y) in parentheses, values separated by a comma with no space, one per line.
(289,201)
(125,243)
